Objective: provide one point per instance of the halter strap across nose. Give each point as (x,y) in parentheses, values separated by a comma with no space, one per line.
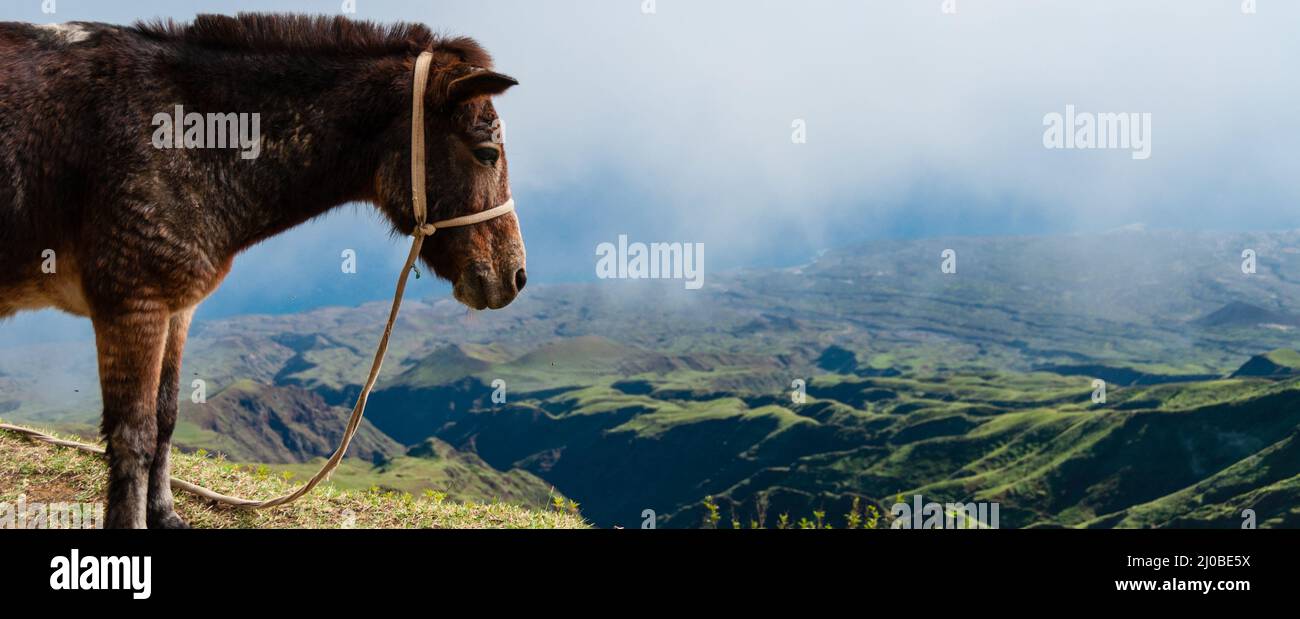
(418,206)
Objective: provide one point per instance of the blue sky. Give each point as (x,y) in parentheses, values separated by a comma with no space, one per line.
(676,126)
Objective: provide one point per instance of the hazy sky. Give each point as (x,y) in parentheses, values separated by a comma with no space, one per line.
(677,125)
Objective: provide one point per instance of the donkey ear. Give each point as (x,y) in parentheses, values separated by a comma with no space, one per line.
(481,83)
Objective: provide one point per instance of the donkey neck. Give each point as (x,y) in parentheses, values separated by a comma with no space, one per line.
(325,123)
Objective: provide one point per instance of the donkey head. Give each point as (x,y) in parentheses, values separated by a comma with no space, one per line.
(465,163)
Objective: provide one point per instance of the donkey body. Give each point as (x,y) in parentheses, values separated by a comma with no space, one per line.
(98,221)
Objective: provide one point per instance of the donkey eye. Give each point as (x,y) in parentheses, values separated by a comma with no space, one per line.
(487,155)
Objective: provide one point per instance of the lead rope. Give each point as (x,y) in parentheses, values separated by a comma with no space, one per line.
(422,231)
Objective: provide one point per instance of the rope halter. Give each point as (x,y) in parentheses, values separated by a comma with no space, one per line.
(418,196)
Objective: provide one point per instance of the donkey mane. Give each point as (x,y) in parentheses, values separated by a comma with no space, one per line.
(284,33)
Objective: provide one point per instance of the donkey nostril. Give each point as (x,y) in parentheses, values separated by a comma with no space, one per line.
(521,278)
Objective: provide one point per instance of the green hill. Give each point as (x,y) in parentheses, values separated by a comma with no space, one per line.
(447,364)
(1267,483)
(434,466)
(251,422)
(1280,363)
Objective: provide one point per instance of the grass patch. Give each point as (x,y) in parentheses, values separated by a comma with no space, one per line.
(55,474)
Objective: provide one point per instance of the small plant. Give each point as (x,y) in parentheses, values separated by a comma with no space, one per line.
(805,523)
(852,519)
(711,515)
(874,518)
(783,521)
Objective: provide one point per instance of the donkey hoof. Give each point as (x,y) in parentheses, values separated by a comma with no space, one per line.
(167,521)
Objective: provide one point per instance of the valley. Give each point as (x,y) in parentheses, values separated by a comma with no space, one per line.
(626,396)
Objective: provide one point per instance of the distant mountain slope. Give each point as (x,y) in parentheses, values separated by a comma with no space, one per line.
(1124,376)
(1062,467)
(1238,314)
(449,363)
(434,466)
(1266,483)
(250,422)
(410,414)
(1281,363)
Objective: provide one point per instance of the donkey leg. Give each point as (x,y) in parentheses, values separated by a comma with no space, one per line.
(161,510)
(130,346)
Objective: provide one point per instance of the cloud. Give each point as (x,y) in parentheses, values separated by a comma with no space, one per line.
(912,115)
(677,125)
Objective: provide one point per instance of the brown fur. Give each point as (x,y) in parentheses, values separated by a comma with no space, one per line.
(141,235)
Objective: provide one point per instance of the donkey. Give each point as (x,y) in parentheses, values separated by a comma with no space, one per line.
(99,221)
